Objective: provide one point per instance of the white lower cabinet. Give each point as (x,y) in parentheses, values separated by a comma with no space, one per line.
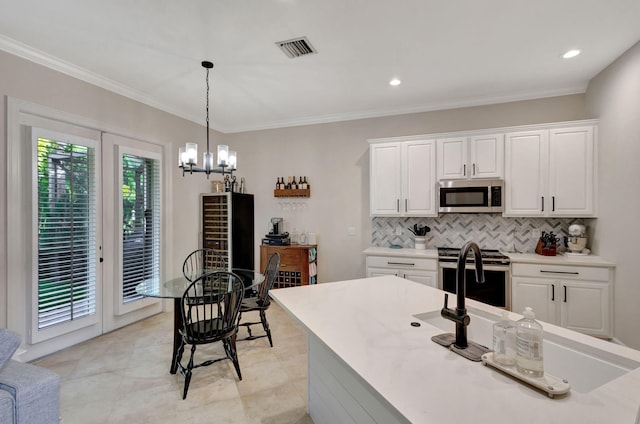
(576,297)
(420,270)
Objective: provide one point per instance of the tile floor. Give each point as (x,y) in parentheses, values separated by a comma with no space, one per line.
(123,377)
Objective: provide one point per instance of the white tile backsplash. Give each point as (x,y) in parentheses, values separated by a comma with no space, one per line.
(490,231)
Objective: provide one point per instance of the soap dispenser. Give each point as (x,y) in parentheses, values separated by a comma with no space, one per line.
(529,359)
(504,340)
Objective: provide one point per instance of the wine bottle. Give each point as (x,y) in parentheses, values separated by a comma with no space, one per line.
(306,183)
(294,184)
(282,186)
(288,187)
(278,184)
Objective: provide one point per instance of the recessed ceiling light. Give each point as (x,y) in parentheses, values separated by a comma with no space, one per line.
(395,81)
(571,53)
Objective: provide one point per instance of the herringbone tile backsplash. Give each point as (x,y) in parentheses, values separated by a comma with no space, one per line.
(490,231)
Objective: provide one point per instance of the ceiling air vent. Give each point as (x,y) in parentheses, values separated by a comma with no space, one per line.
(296,47)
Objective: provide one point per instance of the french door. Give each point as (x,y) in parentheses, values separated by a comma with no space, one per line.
(90,205)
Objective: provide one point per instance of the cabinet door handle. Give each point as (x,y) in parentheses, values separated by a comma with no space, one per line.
(406,207)
(464,169)
(398,205)
(542,203)
(474,169)
(401,263)
(553,203)
(565,294)
(553,292)
(560,272)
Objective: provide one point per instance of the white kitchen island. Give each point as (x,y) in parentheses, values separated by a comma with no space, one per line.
(368,364)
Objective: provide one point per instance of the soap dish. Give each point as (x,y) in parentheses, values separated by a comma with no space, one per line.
(548,383)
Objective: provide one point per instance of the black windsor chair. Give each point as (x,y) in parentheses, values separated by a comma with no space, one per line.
(261,301)
(210,308)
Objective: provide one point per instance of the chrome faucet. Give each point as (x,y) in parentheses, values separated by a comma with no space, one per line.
(459,315)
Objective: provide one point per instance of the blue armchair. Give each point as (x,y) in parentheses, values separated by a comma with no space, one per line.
(28,394)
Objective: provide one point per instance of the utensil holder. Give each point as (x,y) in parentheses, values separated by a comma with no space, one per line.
(420,243)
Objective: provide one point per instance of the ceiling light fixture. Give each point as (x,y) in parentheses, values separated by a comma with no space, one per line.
(188,155)
(395,81)
(571,53)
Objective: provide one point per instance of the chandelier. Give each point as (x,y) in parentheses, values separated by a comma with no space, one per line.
(188,155)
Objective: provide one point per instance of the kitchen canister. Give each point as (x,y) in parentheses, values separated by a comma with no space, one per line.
(311,238)
(420,243)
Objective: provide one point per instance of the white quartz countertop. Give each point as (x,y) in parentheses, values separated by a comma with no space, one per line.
(402,253)
(586,260)
(366,322)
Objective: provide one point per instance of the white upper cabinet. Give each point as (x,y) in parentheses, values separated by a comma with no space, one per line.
(480,156)
(525,173)
(385,181)
(571,171)
(452,158)
(402,178)
(551,172)
(486,155)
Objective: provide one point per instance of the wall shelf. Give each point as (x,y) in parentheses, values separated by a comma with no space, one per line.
(292,193)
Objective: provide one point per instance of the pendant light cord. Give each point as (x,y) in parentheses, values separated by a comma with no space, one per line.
(208,151)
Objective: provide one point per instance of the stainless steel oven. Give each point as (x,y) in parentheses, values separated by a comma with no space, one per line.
(495,291)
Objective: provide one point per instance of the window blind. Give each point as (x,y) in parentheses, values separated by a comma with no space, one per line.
(66,232)
(141,223)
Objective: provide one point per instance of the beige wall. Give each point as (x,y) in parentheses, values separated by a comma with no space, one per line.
(27,81)
(614,97)
(335,157)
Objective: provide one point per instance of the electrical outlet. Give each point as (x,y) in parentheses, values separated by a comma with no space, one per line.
(351,231)
(398,230)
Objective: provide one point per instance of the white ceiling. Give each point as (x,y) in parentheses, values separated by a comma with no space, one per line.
(447,53)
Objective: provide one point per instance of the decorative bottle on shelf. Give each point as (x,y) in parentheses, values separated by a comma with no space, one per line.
(529,358)
(288,186)
(281,183)
(278,184)
(301,184)
(294,184)
(504,340)
(306,183)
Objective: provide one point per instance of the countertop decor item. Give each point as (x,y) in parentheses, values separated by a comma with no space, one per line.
(188,155)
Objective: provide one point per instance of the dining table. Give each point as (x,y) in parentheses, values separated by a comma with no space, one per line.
(174,287)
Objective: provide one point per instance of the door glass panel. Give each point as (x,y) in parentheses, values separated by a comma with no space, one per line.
(66,231)
(140,223)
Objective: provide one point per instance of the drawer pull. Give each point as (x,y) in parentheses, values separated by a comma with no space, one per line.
(400,263)
(560,272)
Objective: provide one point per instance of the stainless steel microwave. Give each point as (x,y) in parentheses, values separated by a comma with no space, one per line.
(471,196)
